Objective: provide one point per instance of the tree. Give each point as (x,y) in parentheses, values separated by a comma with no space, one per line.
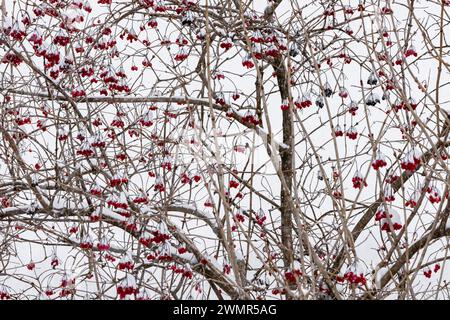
(224,149)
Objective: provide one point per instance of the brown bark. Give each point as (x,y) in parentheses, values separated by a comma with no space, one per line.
(286,167)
